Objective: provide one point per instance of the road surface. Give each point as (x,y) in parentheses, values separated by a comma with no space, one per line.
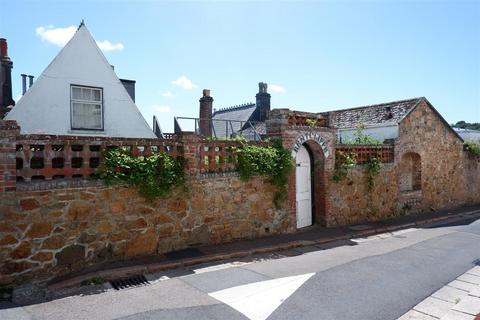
(381,277)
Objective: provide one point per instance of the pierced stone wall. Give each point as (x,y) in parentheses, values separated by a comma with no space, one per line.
(47,233)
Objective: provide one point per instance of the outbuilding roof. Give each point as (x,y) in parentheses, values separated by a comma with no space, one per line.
(378,114)
(234,114)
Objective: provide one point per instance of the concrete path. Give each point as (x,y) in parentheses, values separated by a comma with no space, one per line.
(458,300)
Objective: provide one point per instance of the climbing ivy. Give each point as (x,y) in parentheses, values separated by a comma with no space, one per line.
(361,138)
(343,162)
(373,166)
(472,147)
(272,161)
(155,176)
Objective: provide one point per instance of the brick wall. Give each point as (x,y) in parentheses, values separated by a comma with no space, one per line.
(9,131)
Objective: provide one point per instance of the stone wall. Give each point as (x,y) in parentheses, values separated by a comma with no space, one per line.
(53,232)
(450,176)
(352,202)
(444,163)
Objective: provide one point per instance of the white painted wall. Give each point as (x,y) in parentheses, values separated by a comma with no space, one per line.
(378,132)
(45,108)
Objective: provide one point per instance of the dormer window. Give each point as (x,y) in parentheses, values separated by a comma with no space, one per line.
(86,108)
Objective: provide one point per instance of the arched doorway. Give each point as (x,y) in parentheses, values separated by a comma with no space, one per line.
(303,188)
(310,151)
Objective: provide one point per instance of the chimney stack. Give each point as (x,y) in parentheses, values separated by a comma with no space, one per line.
(205,122)
(263,101)
(30,81)
(6,66)
(24,83)
(129,85)
(3,48)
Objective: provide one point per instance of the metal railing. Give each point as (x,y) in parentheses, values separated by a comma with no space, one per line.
(220,128)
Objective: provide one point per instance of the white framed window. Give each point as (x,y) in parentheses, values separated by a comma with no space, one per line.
(86,107)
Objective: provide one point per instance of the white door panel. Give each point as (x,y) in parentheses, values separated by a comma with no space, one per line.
(303,188)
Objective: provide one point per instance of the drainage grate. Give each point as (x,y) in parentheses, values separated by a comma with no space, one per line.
(125,283)
(6,294)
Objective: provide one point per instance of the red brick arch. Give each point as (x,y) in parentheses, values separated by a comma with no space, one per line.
(317,160)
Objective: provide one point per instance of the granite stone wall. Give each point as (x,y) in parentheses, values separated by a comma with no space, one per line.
(449,176)
(51,232)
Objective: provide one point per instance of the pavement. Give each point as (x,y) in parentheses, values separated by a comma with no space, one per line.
(458,300)
(381,276)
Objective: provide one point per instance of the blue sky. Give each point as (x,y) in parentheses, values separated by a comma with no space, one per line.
(315,55)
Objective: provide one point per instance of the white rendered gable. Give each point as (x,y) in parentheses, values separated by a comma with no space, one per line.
(45,107)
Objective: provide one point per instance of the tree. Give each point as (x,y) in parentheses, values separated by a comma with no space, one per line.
(465,125)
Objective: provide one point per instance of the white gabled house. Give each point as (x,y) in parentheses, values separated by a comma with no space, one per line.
(79,94)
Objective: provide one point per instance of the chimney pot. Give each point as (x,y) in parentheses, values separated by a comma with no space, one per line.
(206,92)
(30,81)
(3,48)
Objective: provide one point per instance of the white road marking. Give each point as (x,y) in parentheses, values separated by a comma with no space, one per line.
(258,300)
(382,236)
(220,267)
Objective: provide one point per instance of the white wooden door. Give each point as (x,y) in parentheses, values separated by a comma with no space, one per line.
(303,188)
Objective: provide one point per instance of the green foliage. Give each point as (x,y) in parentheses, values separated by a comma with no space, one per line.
(272,161)
(465,125)
(93,281)
(360,138)
(472,147)
(373,166)
(343,162)
(155,176)
(311,122)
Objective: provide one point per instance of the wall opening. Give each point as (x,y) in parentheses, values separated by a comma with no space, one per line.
(410,172)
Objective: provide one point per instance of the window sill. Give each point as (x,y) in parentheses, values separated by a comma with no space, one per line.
(87,132)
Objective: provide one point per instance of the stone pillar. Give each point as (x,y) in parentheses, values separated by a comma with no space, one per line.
(205,122)
(277,122)
(191,144)
(9,130)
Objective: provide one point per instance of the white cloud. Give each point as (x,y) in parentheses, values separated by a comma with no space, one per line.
(57,36)
(167,94)
(185,83)
(60,37)
(275,88)
(161,109)
(106,45)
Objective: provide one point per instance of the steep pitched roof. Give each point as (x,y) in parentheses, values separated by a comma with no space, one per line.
(237,113)
(45,107)
(378,114)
